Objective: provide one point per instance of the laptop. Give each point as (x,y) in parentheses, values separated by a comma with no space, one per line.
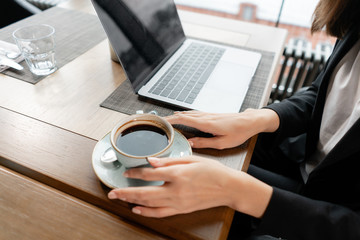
(162,64)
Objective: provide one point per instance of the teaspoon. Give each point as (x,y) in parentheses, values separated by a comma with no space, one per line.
(10,54)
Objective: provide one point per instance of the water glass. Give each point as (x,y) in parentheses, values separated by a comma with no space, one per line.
(37,45)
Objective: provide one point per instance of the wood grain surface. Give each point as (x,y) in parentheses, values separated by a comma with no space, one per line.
(31,210)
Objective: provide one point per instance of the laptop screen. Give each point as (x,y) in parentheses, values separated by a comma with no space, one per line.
(142,33)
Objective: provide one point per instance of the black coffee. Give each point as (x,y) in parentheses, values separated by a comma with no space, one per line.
(142,140)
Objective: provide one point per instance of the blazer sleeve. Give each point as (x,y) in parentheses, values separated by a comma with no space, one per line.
(292,216)
(295,113)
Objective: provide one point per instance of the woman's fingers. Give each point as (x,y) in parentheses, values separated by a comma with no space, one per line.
(214,142)
(195,121)
(150,174)
(162,170)
(192,113)
(188,120)
(157,212)
(218,142)
(163,162)
(151,196)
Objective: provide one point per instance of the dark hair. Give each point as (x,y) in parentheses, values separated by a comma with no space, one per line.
(337,16)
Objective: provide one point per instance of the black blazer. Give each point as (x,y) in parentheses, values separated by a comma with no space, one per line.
(328,207)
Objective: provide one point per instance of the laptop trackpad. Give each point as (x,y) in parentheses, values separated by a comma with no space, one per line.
(226,88)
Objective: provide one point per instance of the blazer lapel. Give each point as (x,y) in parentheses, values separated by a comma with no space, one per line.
(342,47)
(347,146)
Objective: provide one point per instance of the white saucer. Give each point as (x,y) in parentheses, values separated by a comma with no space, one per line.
(111,174)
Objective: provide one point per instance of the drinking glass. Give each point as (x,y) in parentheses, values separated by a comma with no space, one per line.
(37,45)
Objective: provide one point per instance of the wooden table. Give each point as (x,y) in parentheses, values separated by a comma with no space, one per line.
(48,189)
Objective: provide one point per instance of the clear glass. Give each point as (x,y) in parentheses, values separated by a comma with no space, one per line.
(37,45)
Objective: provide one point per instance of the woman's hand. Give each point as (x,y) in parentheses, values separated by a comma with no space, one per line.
(193,183)
(229,129)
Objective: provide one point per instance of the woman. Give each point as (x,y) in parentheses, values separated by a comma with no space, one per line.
(305,187)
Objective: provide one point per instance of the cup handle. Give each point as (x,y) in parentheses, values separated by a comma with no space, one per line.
(108,156)
(154,112)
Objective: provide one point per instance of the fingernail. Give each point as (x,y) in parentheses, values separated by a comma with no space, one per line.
(136,211)
(154,160)
(125,174)
(191,143)
(112,195)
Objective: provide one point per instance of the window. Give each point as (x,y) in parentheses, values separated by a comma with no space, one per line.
(294,15)
(248,12)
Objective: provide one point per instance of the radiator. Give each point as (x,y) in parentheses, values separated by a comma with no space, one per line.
(300,65)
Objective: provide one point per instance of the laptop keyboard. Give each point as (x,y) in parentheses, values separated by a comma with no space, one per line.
(185,78)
